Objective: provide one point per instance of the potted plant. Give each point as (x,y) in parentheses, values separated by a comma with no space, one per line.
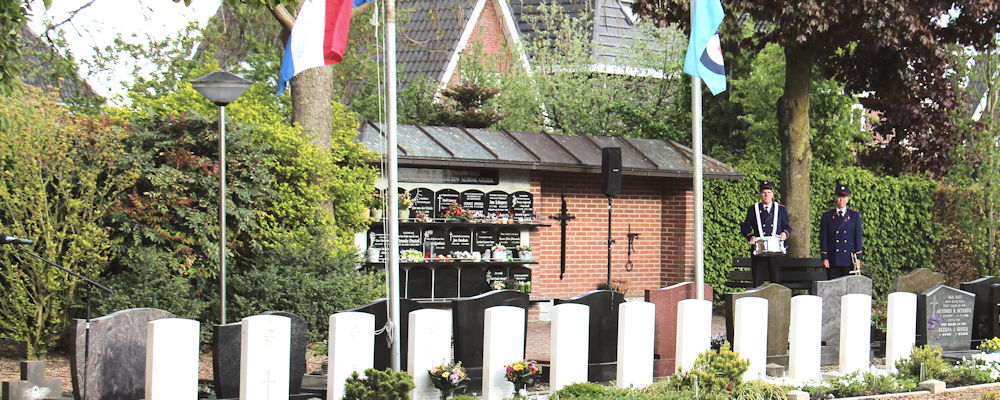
(448,378)
(375,204)
(499,252)
(522,374)
(523,252)
(404,206)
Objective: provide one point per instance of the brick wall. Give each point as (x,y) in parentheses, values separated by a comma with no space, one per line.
(489,35)
(659,209)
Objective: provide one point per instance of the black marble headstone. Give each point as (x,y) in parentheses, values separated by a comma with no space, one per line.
(483,239)
(418,282)
(522,206)
(227,346)
(380,310)
(473,281)
(982,314)
(497,203)
(443,198)
(423,202)
(509,238)
(496,274)
(409,238)
(944,318)
(603,347)
(474,201)
(435,241)
(117,359)
(468,319)
(446,281)
(995,306)
(459,239)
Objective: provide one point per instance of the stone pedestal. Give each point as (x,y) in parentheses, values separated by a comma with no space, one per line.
(429,346)
(172,359)
(635,344)
(750,335)
(901,327)
(855,332)
(352,336)
(804,337)
(694,331)
(569,336)
(503,343)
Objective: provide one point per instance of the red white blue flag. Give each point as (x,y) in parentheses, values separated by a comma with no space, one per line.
(319,37)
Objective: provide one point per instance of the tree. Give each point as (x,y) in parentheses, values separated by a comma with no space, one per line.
(891,49)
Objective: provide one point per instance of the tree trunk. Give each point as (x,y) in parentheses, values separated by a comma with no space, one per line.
(312,93)
(796,153)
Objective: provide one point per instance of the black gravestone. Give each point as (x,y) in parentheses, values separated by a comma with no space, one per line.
(379,308)
(117,354)
(468,325)
(474,201)
(522,278)
(509,238)
(435,241)
(409,238)
(472,281)
(418,282)
(443,198)
(494,275)
(459,239)
(982,313)
(423,202)
(603,342)
(944,318)
(497,203)
(522,206)
(227,347)
(483,239)
(995,306)
(446,281)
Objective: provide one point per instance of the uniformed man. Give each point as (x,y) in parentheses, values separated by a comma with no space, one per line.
(840,236)
(765,219)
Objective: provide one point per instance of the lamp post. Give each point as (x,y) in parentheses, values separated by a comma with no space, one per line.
(221,88)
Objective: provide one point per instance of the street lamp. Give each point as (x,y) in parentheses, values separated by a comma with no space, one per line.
(221,88)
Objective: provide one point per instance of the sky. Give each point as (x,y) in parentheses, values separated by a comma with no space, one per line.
(136,21)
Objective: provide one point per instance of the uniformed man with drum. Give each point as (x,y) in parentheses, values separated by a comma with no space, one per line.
(766,227)
(840,236)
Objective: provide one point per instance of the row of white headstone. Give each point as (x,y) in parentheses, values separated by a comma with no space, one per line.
(172,345)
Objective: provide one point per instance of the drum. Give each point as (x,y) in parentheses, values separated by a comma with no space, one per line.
(769,246)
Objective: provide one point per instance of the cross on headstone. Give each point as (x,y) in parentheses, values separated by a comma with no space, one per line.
(267,384)
(33,384)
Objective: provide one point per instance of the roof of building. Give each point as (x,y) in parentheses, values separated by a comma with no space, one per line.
(437,146)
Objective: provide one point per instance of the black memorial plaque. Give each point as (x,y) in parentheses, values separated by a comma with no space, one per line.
(944,318)
(509,238)
(982,317)
(474,201)
(423,202)
(468,320)
(443,198)
(496,274)
(497,203)
(522,206)
(995,303)
(459,239)
(418,282)
(603,348)
(409,238)
(483,239)
(446,281)
(435,241)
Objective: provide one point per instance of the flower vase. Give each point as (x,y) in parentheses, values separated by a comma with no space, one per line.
(445,394)
(520,392)
(499,255)
(375,213)
(525,254)
(404,214)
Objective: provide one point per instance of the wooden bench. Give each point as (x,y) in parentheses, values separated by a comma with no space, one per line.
(796,273)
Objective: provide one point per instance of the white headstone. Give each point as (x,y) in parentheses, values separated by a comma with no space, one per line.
(429,345)
(570,339)
(901,327)
(172,359)
(694,331)
(804,337)
(352,340)
(503,343)
(264,357)
(855,332)
(750,334)
(636,324)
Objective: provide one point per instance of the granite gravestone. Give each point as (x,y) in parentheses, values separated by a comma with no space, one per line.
(423,202)
(474,201)
(522,206)
(226,346)
(995,307)
(483,239)
(33,384)
(117,365)
(522,277)
(443,199)
(468,319)
(917,281)
(497,203)
(831,291)
(779,304)
(603,346)
(509,238)
(496,274)
(944,318)
(379,308)
(665,329)
(982,313)
(409,238)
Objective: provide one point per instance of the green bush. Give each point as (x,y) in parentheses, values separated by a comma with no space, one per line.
(759,390)
(714,371)
(378,385)
(581,391)
(862,384)
(667,390)
(968,372)
(930,357)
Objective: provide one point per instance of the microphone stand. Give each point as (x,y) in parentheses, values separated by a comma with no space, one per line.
(86,296)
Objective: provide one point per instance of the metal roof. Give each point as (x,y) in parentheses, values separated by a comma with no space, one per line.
(441,146)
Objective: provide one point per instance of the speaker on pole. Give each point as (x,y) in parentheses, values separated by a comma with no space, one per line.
(611,170)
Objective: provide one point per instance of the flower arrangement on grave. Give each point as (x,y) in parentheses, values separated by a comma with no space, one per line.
(497,285)
(522,374)
(461,255)
(932,325)
(448,378)
(456,211)
(990,346)
(497,247)
(404,202)
(411,255)
(523,251)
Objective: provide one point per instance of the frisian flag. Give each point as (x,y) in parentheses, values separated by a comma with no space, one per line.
(704,53)
(319,37)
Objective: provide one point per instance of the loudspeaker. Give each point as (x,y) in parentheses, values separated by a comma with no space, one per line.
(611,170)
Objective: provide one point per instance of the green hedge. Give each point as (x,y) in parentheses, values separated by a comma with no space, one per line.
(897,212)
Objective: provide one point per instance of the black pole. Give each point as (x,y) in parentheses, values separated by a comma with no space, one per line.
(610,242)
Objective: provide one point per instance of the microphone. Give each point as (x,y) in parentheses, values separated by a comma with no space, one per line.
(4,239)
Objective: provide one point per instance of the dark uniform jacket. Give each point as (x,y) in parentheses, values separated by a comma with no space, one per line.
(778,213)
(840,237)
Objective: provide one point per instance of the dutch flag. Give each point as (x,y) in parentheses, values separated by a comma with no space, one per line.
(319,37)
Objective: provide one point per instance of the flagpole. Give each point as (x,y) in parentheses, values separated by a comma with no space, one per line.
(699,237)
(392,175)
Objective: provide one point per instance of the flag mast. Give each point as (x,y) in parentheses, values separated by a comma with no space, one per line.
(699,237)
(392,176)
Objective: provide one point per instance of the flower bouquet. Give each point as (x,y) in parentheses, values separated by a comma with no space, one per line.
(456,211)
(522,374)
(411,255)
(448,378)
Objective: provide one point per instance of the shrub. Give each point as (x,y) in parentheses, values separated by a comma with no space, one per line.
(666,390)
(969,372)
(378,385)
(759,390)
(581,391)
(930,356)
(714,371)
